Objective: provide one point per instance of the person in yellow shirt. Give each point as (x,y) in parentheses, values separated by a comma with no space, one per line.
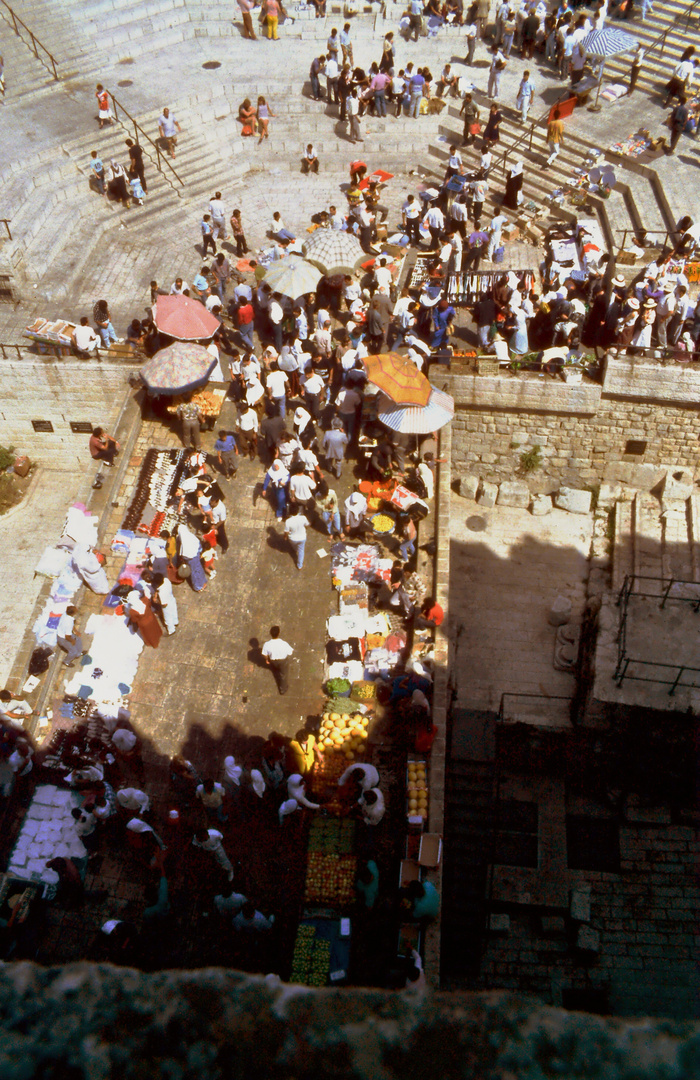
(305,751)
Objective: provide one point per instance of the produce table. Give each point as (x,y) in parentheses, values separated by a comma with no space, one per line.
(55,334)
(210,400)
(321,955)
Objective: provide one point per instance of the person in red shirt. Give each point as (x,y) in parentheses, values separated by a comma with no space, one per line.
(431,615)
(244,317)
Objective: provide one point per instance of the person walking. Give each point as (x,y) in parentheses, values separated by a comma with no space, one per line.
(136,159)
(104,111)
(238,234)
(346,44)
(353,111)
(435,220)
(295,531)
(273,10)
(211,840)
(526,92)
(498,64)
(207,235)
(635,69)
(246,6)
(677,122)
(555,137)
(334,445)
(168,129)
(66,637)
(416,18)
(218,217)
(415,89)
(277,653)
(263,114)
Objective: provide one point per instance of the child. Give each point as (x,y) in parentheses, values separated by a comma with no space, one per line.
(208,557)
(137,192)
(97,173)
(104,114)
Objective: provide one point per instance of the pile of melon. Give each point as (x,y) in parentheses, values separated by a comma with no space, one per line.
(417,790)
(344,733)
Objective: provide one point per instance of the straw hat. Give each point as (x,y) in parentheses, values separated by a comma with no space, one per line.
(633,303)
(619,282)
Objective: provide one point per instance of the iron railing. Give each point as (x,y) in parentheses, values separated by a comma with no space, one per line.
(36,44)
(6,223)
(139,130)
(667,235)
(19,349)
(624,661)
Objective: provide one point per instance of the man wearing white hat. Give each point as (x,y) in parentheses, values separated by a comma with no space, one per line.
(664,311)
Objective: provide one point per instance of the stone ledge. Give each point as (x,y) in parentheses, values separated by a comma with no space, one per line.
(649,380)
(483,391)
(89,1020)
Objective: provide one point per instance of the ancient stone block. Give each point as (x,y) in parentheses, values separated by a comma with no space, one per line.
(487,494)
(677,484)
(541,505)
(514,493)
(588,939)
(553,925)
(575,500)
(467,486)
(499,924)
(580,906)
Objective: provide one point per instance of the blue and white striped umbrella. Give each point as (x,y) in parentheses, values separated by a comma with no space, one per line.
(416,419)
(608,42)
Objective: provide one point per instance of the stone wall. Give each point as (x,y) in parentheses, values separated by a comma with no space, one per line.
(60,391)
(95,1021)
(581,430)
(646,919)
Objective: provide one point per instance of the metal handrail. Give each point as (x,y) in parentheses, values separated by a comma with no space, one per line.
(623,660)
(137,128)
(19,349)
(661,39)
(6,223)
(36,44)
(647,232)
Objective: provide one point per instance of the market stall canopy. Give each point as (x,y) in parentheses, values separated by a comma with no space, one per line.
(415,420)
(607,42)
(333,251)
(182,366)
(292,276)
(398,378)
(184,318)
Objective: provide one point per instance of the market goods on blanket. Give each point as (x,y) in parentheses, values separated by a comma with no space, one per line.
(343,732)
(330,878)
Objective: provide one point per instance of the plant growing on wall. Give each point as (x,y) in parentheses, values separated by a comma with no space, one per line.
(531,460)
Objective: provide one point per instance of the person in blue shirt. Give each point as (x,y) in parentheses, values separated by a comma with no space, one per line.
(423,899)
(367,883)
(443,317)
(227,452)
(161,904)
(207,235)
(200,284)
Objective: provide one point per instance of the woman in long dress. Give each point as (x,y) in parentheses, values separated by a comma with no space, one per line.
(142,616)
(641,339)
(117,182)
(518,343)
(513,185)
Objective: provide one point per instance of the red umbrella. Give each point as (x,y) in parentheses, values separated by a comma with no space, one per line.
(184,318)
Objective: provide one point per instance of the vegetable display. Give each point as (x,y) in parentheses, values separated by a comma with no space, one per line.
(311,962)
(330,879)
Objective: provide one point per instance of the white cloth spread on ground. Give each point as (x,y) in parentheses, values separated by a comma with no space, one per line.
(113,660)
(48,830)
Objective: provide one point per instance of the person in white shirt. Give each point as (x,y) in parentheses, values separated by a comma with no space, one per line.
(372,805)
(295,527)
(296,789)
(20,760)
(217,210)
(351,291)
(363,774)
(277,385)
(277,652)
(132,799)
(250,921)
(435,220)
(232,776)
(355,509)
(495,232)
(382,274)
(179,287)
(168,604)
(84,337)
(85,826)
(276,315)
(336,219)
(124,739)
(211,840)
(67,638)
(12,708)
(217,517)
(309,161)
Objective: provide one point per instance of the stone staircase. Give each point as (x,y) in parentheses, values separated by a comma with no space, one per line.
(633,203)
(658,66)
(25,76)
(658,540)
(80,36)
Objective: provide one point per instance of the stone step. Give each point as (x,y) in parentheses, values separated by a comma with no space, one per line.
(648,544)
(25,75)
(677,560)
(623,548)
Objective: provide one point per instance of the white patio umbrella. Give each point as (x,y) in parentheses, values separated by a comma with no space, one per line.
(417,419)
(333,251)
(292,276)
(607,42)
